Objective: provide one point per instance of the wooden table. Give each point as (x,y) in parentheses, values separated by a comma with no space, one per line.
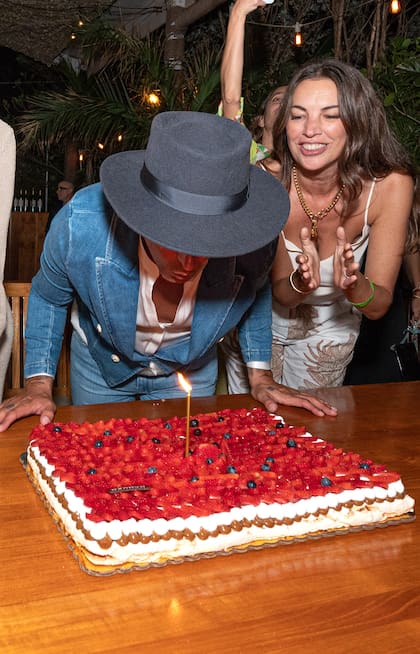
(343,594)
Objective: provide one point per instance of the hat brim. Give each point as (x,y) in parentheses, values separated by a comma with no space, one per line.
(257,223)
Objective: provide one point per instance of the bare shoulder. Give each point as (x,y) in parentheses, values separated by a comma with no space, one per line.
(396,183)
(393,199)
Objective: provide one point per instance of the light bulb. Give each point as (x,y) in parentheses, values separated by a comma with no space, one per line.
(153,98)
(394,7)
(298,36)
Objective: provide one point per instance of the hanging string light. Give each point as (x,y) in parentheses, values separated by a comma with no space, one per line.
(298,36)
(394,7)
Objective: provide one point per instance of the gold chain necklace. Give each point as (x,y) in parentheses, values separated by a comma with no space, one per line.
(319,215)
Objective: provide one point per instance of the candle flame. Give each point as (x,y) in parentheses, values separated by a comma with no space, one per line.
(184,383)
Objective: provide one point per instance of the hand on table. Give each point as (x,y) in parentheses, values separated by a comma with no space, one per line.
(35,399)
(272,395)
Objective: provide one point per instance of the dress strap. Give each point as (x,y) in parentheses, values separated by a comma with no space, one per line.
(372,187)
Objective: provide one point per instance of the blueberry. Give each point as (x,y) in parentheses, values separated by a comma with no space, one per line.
(107,432)
(209,460)
(291,443)
(272,432)
(279,425)
(155,440)
(91,471)
(231,470)
(129,439)
(197,432)
(194,423)
(364,465)
(215,444)
(325,481)
(56,428)
(220,419)
(269,459)
(99,443)
(167,425)
(227,435)
(195,478)
(151,470)
(265,467)
(251,484)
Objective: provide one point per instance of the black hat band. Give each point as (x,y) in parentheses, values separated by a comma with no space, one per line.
(192,203)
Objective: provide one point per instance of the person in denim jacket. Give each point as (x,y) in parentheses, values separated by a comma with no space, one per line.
(159,261)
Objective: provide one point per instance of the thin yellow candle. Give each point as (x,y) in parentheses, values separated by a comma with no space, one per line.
(187,388)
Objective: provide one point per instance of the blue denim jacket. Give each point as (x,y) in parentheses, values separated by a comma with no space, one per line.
(91,255)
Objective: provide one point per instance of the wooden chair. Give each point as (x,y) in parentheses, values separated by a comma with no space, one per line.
(18,293)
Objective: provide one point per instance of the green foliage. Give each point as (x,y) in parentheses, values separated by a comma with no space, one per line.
(107,97)
(397,81)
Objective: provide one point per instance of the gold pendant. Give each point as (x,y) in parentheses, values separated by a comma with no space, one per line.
(314,228)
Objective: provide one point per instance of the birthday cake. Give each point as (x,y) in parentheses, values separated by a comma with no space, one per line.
(129,494)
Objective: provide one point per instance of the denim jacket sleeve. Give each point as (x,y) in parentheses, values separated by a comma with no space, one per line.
(254,330)
(51,293)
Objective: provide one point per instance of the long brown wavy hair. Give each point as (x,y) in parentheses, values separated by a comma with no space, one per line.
(371,150)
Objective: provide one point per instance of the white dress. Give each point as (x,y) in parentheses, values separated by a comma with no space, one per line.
(314,342)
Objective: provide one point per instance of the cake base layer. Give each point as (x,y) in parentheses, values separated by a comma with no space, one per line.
(102,566)
(126,497)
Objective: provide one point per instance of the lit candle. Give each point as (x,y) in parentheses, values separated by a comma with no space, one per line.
(187,388)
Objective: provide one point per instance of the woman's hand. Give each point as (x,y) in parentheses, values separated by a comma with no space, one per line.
(307,263)
(345,267)
(35,399)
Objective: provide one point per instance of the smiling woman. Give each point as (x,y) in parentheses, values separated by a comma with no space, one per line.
(350,185)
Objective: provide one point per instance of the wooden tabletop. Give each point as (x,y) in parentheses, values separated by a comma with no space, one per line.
(341,594)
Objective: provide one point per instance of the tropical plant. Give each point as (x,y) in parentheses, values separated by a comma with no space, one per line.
(106,100)
(397,81)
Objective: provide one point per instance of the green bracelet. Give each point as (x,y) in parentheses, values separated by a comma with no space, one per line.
(360,305)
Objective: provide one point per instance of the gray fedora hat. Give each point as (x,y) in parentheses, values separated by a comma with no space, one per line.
(193,189)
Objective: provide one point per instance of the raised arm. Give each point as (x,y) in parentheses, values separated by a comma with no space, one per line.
(233,57)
